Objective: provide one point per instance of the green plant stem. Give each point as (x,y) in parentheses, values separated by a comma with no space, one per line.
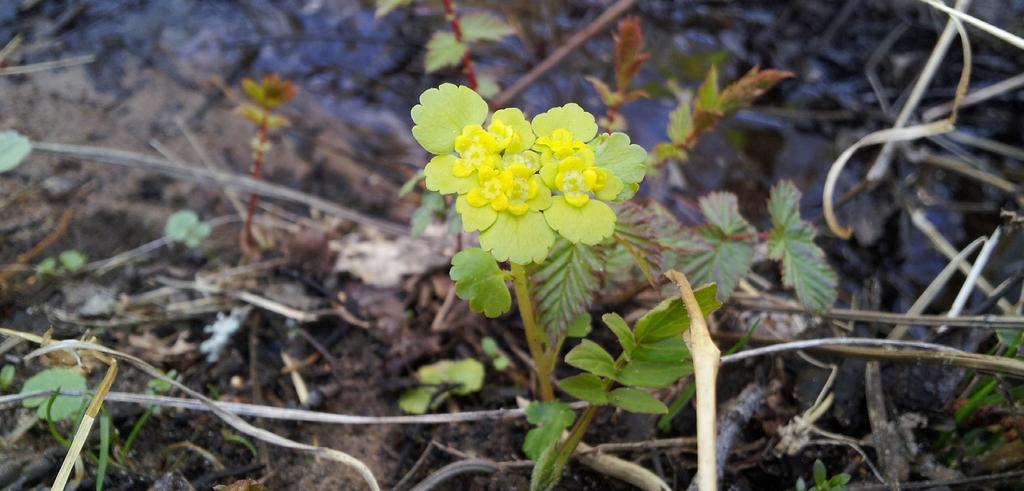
(534,333)
(135,432)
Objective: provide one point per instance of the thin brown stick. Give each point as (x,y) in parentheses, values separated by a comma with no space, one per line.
(575,41)
(41,247)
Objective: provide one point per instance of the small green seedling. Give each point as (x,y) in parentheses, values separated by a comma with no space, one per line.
(439,380)
(498,360)
(822,482)
(55,379)
(185,227)
(6,377)
(68,262)
(13,149)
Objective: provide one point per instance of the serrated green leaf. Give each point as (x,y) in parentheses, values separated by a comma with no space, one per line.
(386,6)
(550,419)
(586,387)
(669,318)
(72,260)
(483,26)
(636,401)
(566,283)
(443,50)
(657,374)
(53,379)
(707,94)
(680,124)
(480,281)
(721,251)
(591,357)
(580,327)
(431,204)
(792,241)
(618,325)
(13,149)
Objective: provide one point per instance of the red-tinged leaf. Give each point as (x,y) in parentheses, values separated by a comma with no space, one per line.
(629,54)
(752,85)
(633,95)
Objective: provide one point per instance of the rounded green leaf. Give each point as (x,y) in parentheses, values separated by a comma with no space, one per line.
(417,400)
(72,260)
(440,178)
(591,357)
(474,218)
(615,153)
(589,224)
(179,224)
(479,281)
(571,117)
(442,113)
(585,387)
(636,401)
(522,239)
(13,149)
(53,379)
(515,119)
(659,374)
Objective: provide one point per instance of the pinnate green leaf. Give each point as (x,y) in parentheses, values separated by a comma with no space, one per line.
(636,401)
(591,357)
(792,241)
(586,387)
(479,281)
(643,373)
(550,419)
(443,50)
(483,26)
(53,379)
(618,325)
(13,149)
(722,251)
(566,283)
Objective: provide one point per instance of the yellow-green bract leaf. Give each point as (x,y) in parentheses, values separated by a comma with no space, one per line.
(618,325)
(591,357)
(440,178)
(615,153)
(416,400)
(792,241)
(521,239)
(571,117)
(53,379)
(585,387)
(474,218)
(482,26)
(13,149)
(444,50)
(669,318)
(468,374)
(658,374)
(386,6)
(721,251)
(589,224)
(480,281)
(442,113)
(636,401)
(566,283)
(550,419)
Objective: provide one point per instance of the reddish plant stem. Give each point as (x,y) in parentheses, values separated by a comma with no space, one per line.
(257,173)
(467,60)
(759,236)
